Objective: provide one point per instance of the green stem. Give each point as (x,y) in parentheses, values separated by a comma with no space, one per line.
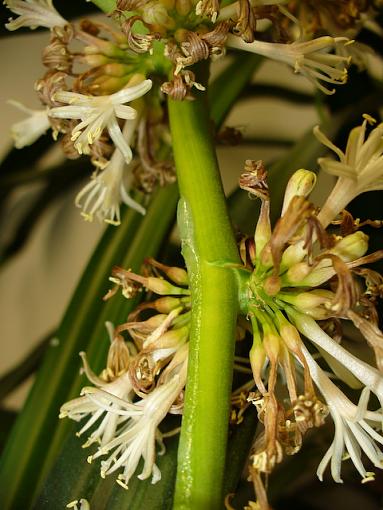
(209,249)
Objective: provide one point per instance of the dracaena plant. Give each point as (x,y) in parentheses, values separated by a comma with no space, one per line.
(271,310)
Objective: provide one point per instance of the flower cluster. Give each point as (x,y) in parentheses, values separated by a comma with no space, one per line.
(143,380)
(300,282)
(97,74)
(97,111)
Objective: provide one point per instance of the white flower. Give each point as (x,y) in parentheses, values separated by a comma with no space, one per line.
(353,432)
(33,14)
(137,437)
(366,374)
(99,112)
(27,131)
(78,408)
(84,504)
(359,169)
(106,190)
(308,58)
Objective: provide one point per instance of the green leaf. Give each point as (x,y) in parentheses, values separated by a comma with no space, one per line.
(27,366)
(28,446)
(7,420)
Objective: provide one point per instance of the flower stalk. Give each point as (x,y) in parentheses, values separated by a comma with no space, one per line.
(209,250)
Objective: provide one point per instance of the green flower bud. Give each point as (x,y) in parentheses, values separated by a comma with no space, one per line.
(162,287)
(306,301)
(167,304)
(300,183)
(351,247)
(172,338)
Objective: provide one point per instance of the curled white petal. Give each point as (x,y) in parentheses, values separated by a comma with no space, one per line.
(33,14)
(137,437)
(97,113)
(353,433)
(107,416)
(359,169)
(27,131)
(309,58)
(81,504)
(103,195)
(368,375)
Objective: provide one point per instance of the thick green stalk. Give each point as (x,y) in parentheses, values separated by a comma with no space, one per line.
(209,249)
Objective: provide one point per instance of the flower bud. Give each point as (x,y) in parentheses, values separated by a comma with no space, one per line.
(293,254)
(290,336)
(257,356)
(263,229)
(106,85)
(183,7)
(155,321)
(307,301)
(351,247)
(305,275)
(166,304)
(96,60)
(115,69)
(104,47)
(172,338)
(266,257)
(272,285)
(141,329)
(271,342)
(162,287)
(297,272)
(155,13)
(300,183)
(176,274)
(320,274)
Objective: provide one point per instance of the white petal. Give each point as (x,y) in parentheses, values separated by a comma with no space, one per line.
(119,141)
(27,131)
(130,93)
